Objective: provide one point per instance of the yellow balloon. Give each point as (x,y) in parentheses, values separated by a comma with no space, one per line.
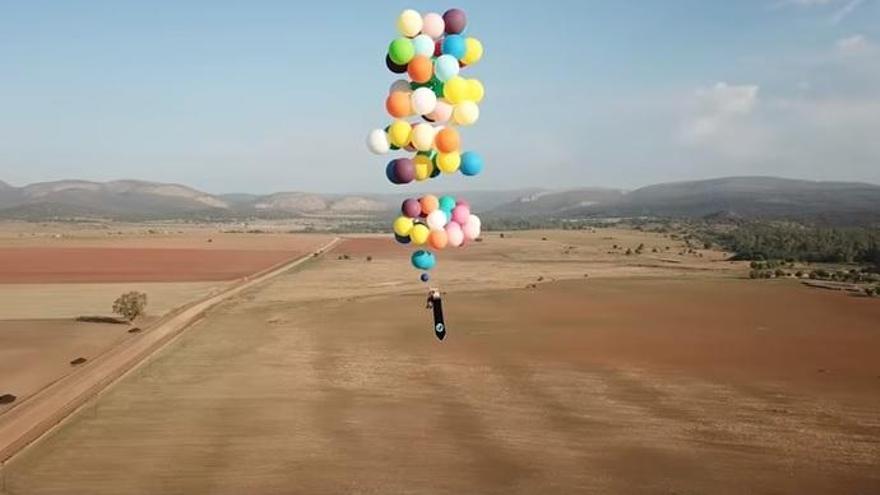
(410,23)
(473,51)
(475,90)
(400,133)
(419,234)
(449,162)
(423,136)
(403,226)
(466,113)
(424,167)
(455,90)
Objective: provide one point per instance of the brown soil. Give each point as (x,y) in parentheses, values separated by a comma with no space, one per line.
(634,385)
(102,265)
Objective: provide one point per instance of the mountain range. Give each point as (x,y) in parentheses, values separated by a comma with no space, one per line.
(731,197)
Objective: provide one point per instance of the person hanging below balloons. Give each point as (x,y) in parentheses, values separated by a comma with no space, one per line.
(429,105)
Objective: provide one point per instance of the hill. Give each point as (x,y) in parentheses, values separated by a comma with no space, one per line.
(731,198)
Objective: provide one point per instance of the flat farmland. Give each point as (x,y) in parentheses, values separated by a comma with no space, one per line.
(665,372)
(52,274)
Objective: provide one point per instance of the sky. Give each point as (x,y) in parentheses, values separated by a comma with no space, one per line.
(260,96)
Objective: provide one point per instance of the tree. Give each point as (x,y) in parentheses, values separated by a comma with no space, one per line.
(130,305)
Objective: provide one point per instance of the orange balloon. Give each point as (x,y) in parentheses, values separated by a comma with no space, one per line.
(398,105)
(438,239)
(447,140)
(420,69)
(429,203)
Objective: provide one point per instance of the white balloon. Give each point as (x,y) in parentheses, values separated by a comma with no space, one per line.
(437,219)
(424,101)
(400,85)
(423,136)
(472,228)
(466,113)
(377,142)
(423,45)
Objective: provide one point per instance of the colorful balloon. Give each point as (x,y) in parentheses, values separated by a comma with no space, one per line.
(461,214)
(454,234)
(449,162)
(447,140)
(400,85)
(419,234)
(424,168)
(424,277)
(404,170)
(442,112)
(399,133)
(437,219)
(377,142)
(423,45)
(394,67)
(475,91)
(456,90)
(423,137)
(433,25)
(403,226)
(438,239)
(471,163)
(410,208)
(454,45)
(409,23)
(472,228)
(401,51)
(454,21)
(423,101)
(429,203)
(447,203)
(423,260)
(466,113)
(398,105)
(473,51)
(420,69)
(446,67)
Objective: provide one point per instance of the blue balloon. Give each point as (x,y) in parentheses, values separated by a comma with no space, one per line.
(389,172)
(423,260)
(402,239)
(425,277)
(471,163)
(447,203)
(454,45)
(446,67)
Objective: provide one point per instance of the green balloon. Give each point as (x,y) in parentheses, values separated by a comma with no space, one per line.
(401,51)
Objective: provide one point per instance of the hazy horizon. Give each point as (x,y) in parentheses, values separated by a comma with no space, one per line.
(275,96)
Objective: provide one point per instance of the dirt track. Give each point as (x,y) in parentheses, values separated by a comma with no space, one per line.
(599,386)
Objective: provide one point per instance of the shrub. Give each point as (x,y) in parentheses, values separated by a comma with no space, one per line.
(130,305)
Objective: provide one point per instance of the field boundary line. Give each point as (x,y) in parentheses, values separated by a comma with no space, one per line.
(26,423)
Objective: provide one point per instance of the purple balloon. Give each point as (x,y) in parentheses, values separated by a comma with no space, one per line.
(404,170)
(411,208)
(455,20)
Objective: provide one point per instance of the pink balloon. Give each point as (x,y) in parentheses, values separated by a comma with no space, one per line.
(462,202)
(454,234)
(442,113)
(433,25)
(461,214)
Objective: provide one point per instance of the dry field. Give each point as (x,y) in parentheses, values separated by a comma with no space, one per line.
(570,367)
(52,273)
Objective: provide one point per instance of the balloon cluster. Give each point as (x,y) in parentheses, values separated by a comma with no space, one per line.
(437,222)
(431,51)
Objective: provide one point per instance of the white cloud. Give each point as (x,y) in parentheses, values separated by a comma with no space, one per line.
(854,44)
(846,10)
(718,108)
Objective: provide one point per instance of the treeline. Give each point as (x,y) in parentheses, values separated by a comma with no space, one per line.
(792,242)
